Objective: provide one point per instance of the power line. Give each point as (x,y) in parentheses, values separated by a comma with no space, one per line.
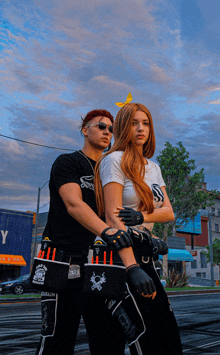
(45,205)
(40,145)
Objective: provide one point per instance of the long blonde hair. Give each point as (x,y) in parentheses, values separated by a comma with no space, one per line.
(132,162)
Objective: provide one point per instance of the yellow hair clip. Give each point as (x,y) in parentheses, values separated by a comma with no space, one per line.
(129,99)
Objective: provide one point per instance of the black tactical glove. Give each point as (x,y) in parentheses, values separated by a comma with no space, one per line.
(146,245)
(142,240)
(160,246)
(139,280)
(118,240)
(131,217)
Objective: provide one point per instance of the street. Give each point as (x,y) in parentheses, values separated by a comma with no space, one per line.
(198,317)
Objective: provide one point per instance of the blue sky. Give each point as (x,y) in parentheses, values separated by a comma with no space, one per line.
(60,59)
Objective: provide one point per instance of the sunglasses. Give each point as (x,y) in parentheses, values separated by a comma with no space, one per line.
(102,126)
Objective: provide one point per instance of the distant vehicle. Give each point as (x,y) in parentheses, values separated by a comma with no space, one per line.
(17,286)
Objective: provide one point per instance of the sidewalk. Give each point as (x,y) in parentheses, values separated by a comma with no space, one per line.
(192,292)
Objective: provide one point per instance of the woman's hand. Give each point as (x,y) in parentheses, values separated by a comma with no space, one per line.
(129,216)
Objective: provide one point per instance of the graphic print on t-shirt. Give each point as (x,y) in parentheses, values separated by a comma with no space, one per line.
(157,192)
(87,182)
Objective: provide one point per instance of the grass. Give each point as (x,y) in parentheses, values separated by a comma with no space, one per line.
(9,295)
(186,288)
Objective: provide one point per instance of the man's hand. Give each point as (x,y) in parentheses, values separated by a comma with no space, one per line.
(140,280)
(117,239)
(131,217)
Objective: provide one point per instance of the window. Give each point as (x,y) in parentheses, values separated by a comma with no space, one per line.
(213,210)
(203,260)
(216,227)
(204,275)
(218,213)
(194,264)
(198,274)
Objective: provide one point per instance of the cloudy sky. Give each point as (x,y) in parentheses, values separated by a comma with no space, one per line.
(61,58)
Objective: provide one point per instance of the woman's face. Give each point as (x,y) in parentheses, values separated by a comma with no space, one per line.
(140,128)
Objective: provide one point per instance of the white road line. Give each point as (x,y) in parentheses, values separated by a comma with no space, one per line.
(184,314)
(204,346)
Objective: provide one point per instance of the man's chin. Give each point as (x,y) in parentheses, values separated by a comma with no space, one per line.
(105,145)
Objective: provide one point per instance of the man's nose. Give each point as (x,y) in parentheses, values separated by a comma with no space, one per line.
(107,131)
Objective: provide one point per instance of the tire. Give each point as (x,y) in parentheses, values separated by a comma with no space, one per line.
(18,289)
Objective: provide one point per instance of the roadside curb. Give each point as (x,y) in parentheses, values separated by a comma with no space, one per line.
(192,292)
(169,293)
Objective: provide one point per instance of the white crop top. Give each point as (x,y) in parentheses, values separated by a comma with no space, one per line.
(110,171)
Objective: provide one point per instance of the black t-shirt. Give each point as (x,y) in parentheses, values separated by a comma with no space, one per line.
(61,227)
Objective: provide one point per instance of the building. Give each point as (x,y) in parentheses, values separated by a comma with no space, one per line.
(196,242)
(15,243)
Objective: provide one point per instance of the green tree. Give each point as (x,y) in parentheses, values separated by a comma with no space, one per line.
(216,253)
(183,186)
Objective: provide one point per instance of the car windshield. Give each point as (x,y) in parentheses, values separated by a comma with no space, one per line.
(24,277)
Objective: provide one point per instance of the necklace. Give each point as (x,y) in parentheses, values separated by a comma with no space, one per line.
(87,160)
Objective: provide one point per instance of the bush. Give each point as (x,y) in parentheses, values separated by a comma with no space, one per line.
(175,279)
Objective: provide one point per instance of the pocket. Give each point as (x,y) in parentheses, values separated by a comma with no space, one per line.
(49,313)
(105,281)
(49,275)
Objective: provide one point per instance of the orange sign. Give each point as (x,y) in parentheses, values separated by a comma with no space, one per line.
(193,252)
(12,260)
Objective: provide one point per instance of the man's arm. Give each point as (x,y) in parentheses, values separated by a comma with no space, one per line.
(72,197)
(79,210)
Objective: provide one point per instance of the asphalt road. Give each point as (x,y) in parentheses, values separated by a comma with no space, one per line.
(198,317)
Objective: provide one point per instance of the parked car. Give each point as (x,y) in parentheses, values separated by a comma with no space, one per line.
(17,286)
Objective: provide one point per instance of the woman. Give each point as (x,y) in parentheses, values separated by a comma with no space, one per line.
(126,177)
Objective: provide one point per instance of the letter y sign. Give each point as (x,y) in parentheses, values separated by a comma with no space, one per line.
(4,235)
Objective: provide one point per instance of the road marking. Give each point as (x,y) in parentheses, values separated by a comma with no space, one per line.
(209,345)
(204,346)
(184,314)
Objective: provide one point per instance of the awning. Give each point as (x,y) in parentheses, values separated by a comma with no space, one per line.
(178,255)
(17,260)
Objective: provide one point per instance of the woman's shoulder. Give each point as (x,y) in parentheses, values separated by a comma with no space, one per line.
(153,165)
(114,156)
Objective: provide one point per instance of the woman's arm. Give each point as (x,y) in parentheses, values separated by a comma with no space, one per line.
(159,215)
(113,199)
(162,214)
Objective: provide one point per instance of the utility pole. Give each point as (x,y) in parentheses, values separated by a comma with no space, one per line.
(211,249)
(36,222)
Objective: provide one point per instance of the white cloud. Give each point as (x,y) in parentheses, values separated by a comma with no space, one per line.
(215,102)
(160,74)
(15,186)
(105,80)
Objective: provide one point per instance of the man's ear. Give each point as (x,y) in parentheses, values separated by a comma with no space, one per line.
(85,131)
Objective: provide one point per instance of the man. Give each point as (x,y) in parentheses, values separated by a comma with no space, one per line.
(73,224)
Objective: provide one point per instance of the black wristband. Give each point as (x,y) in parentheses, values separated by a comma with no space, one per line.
(131,266)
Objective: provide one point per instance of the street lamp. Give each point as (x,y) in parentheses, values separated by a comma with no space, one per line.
(36,220)
(211,247)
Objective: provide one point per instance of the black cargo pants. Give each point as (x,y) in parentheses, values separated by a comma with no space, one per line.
(61,315)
